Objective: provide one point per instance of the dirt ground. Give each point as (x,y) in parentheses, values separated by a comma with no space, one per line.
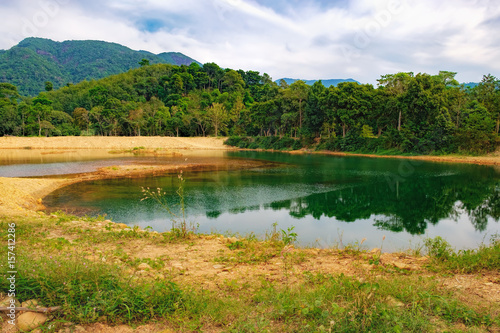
(194,263)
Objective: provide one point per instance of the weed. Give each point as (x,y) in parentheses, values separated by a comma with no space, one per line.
(236,245)
(438,248)
(355,248)
(181,228)
(288,237)
(485,257)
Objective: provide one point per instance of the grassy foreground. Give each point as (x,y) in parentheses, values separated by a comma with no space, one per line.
(102,272)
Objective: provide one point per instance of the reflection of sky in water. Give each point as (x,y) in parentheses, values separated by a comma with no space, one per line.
(329,201)
(50,169)
(329,232)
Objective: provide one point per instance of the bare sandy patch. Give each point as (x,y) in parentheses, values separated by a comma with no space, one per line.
(112,142)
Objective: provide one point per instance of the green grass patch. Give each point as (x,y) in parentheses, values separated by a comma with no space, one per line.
(90,291)
(485,258)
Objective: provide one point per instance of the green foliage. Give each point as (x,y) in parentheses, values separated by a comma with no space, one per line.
(406,113)
(288,237)
(35,61)
(268,142)
(485,258)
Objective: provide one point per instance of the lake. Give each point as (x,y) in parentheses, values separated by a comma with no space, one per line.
(330,200)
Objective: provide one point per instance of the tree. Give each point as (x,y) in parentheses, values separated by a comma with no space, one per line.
(81,119)
(49,86)
(98,96)
(232,81)
(136,119)
(8,108)
(178,118)
(42,108)
(218,116)
(144,62)
(349,101)
(448,78)
(314,111)
(214,73)
(488,93)
(476,134)
(97,118)
(299,91)
(396,85)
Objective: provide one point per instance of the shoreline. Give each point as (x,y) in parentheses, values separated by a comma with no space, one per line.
(25,195)
(493,159)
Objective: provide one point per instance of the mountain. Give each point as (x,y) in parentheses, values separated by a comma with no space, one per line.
(326,83)
(471,84)
(34,61)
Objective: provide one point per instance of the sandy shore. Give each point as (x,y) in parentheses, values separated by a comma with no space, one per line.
(111,142)
(24,196)
(490,159)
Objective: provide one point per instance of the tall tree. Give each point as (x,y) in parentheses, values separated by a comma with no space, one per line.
(41,109)
(488,93)
(396,85)
(218,116)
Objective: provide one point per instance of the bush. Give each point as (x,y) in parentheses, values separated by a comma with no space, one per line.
(264,142)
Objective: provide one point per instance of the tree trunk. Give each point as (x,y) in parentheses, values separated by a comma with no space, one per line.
(343,130)
(300,114)
(399,121)
(498,123)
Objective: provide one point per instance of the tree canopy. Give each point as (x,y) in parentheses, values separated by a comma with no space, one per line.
(408,113)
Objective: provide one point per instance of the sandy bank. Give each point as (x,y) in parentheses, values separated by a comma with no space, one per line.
(24,196)
(111,142)
(490,159)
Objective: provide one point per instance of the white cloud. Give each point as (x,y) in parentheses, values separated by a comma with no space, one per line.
(362,39)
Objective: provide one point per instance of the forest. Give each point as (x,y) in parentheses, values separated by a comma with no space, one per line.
(405,113)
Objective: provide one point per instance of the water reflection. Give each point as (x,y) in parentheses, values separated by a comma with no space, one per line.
(325,197)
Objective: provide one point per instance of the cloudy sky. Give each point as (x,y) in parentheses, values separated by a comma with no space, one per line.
(307,39)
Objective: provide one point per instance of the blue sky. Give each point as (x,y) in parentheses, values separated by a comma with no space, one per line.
(307,39)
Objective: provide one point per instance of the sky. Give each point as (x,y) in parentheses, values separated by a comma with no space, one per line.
(306,39)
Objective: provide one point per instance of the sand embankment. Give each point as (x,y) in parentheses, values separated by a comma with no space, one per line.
(111,142)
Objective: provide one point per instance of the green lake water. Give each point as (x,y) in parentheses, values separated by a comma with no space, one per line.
(331,200)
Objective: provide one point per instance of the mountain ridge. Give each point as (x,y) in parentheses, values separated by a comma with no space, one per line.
(326,82)
(33,61)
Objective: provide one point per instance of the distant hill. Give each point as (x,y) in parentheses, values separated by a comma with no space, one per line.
(34,61)
(471,84)
(326,83)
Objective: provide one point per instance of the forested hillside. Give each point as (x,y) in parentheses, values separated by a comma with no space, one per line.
(406,113)
(35,61)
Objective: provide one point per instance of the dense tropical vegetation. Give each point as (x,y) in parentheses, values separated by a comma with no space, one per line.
(406,113)
(35,61)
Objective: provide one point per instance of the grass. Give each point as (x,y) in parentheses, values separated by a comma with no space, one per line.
(485,257)
(94,291)
(90,268)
